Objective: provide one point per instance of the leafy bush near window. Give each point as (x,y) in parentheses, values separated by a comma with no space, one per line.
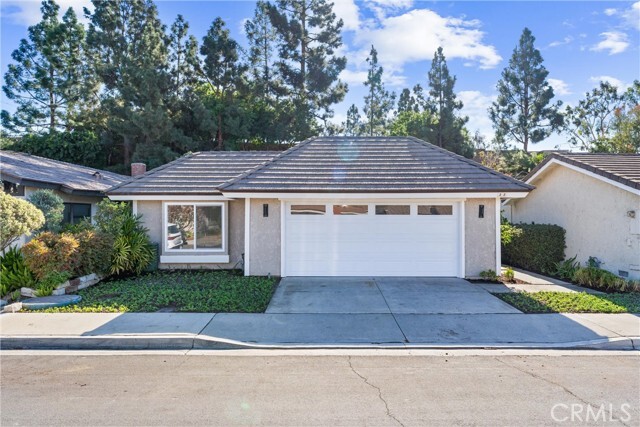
(51,252)
(538,248)
(133,252)
(51,206)
(48,283)
(111,216)
(598,278)
(14,273)
(17,217)
(93,254)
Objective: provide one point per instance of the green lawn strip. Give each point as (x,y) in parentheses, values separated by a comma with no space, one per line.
(572,302)
(183,291)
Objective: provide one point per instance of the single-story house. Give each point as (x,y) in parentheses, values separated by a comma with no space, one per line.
(329,206)
(596,199)
(80,187)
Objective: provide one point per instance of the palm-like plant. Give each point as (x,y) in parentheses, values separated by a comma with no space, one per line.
(132,250)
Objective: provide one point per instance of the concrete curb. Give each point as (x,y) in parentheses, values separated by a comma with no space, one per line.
(189,342)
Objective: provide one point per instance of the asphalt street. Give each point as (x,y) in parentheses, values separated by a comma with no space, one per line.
(342,388)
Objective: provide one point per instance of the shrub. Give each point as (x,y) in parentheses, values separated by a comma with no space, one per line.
(51,206)
(538,248)
(14,273)
(49,282)
(132,250)
(508,232)
(565,269)
(489,275)
(50,252)
(597,278)
(509,275)
(111,216)
(93,254)
(17,217)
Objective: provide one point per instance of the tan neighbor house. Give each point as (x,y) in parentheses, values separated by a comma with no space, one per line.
(596,199)
(330,206)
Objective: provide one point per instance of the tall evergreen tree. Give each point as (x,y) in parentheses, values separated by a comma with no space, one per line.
(411,100)
(223,72)
(523,112)
(309,35)
(353,125)
(444,103)
(183,57)
(262,38)
(378,102)
(49,80)
(129,47)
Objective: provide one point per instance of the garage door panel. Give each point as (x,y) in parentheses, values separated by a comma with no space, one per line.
(363,245)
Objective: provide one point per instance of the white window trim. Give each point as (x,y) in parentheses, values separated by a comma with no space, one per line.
(413,207)
(165,217)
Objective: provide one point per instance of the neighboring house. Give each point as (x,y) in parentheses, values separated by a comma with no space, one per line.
(596,199)
(330,206)
(80,187)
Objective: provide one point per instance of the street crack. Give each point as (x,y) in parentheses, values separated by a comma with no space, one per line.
(382,399)
(548,381)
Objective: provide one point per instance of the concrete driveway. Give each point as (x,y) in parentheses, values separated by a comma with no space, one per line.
(384,295)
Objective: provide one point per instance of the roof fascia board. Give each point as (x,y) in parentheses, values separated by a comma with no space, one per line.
(167,197)
(556,161)
(351,196)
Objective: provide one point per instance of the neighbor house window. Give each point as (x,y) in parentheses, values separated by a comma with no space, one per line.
(194,227)
(435,210)
(393,210)
(74,213)
(350,209)
(13,189)
(308,209)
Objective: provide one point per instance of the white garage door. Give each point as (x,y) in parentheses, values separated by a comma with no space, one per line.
(364,239)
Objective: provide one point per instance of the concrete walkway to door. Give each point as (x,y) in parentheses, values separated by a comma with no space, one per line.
(384,295)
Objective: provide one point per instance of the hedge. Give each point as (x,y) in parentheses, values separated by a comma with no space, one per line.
(538,248)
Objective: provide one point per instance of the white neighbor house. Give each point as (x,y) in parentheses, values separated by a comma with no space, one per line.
(596,199)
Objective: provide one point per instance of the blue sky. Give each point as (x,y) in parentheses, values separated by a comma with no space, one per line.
(582,42)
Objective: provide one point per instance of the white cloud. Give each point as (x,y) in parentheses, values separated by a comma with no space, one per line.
(622,86)
(566,40)
(384,8)
(610,11)
(415,35)
(632,15)
(27,12)
(353,77)
(560,87)
(614,42)
(475,107)
(348,11)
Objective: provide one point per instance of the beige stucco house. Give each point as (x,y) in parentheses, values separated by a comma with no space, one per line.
(80,187)
(596,199)
(330,206)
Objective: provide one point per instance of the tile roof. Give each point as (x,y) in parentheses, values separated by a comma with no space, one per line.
(194,174)
(622,168)
(40,172)
(370,165)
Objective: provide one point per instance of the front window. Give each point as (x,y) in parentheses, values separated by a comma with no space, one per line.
(74,213)
(194,227)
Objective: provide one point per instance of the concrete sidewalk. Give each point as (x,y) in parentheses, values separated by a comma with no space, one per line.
(379,330)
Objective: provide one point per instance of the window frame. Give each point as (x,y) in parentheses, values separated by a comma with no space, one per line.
(451,205)
(71,205)
(223,227)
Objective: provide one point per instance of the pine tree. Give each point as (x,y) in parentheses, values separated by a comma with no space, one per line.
(309,35)
(262,38)
(444,102)
(523,112)
(378,102)
(49,81)
(183,57)
(129,48)
(411,100)
(353,125)
(223,72)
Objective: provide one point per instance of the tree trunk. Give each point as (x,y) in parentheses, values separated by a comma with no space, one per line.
(303,50)
(525,138)
(220,141)
(52,104)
